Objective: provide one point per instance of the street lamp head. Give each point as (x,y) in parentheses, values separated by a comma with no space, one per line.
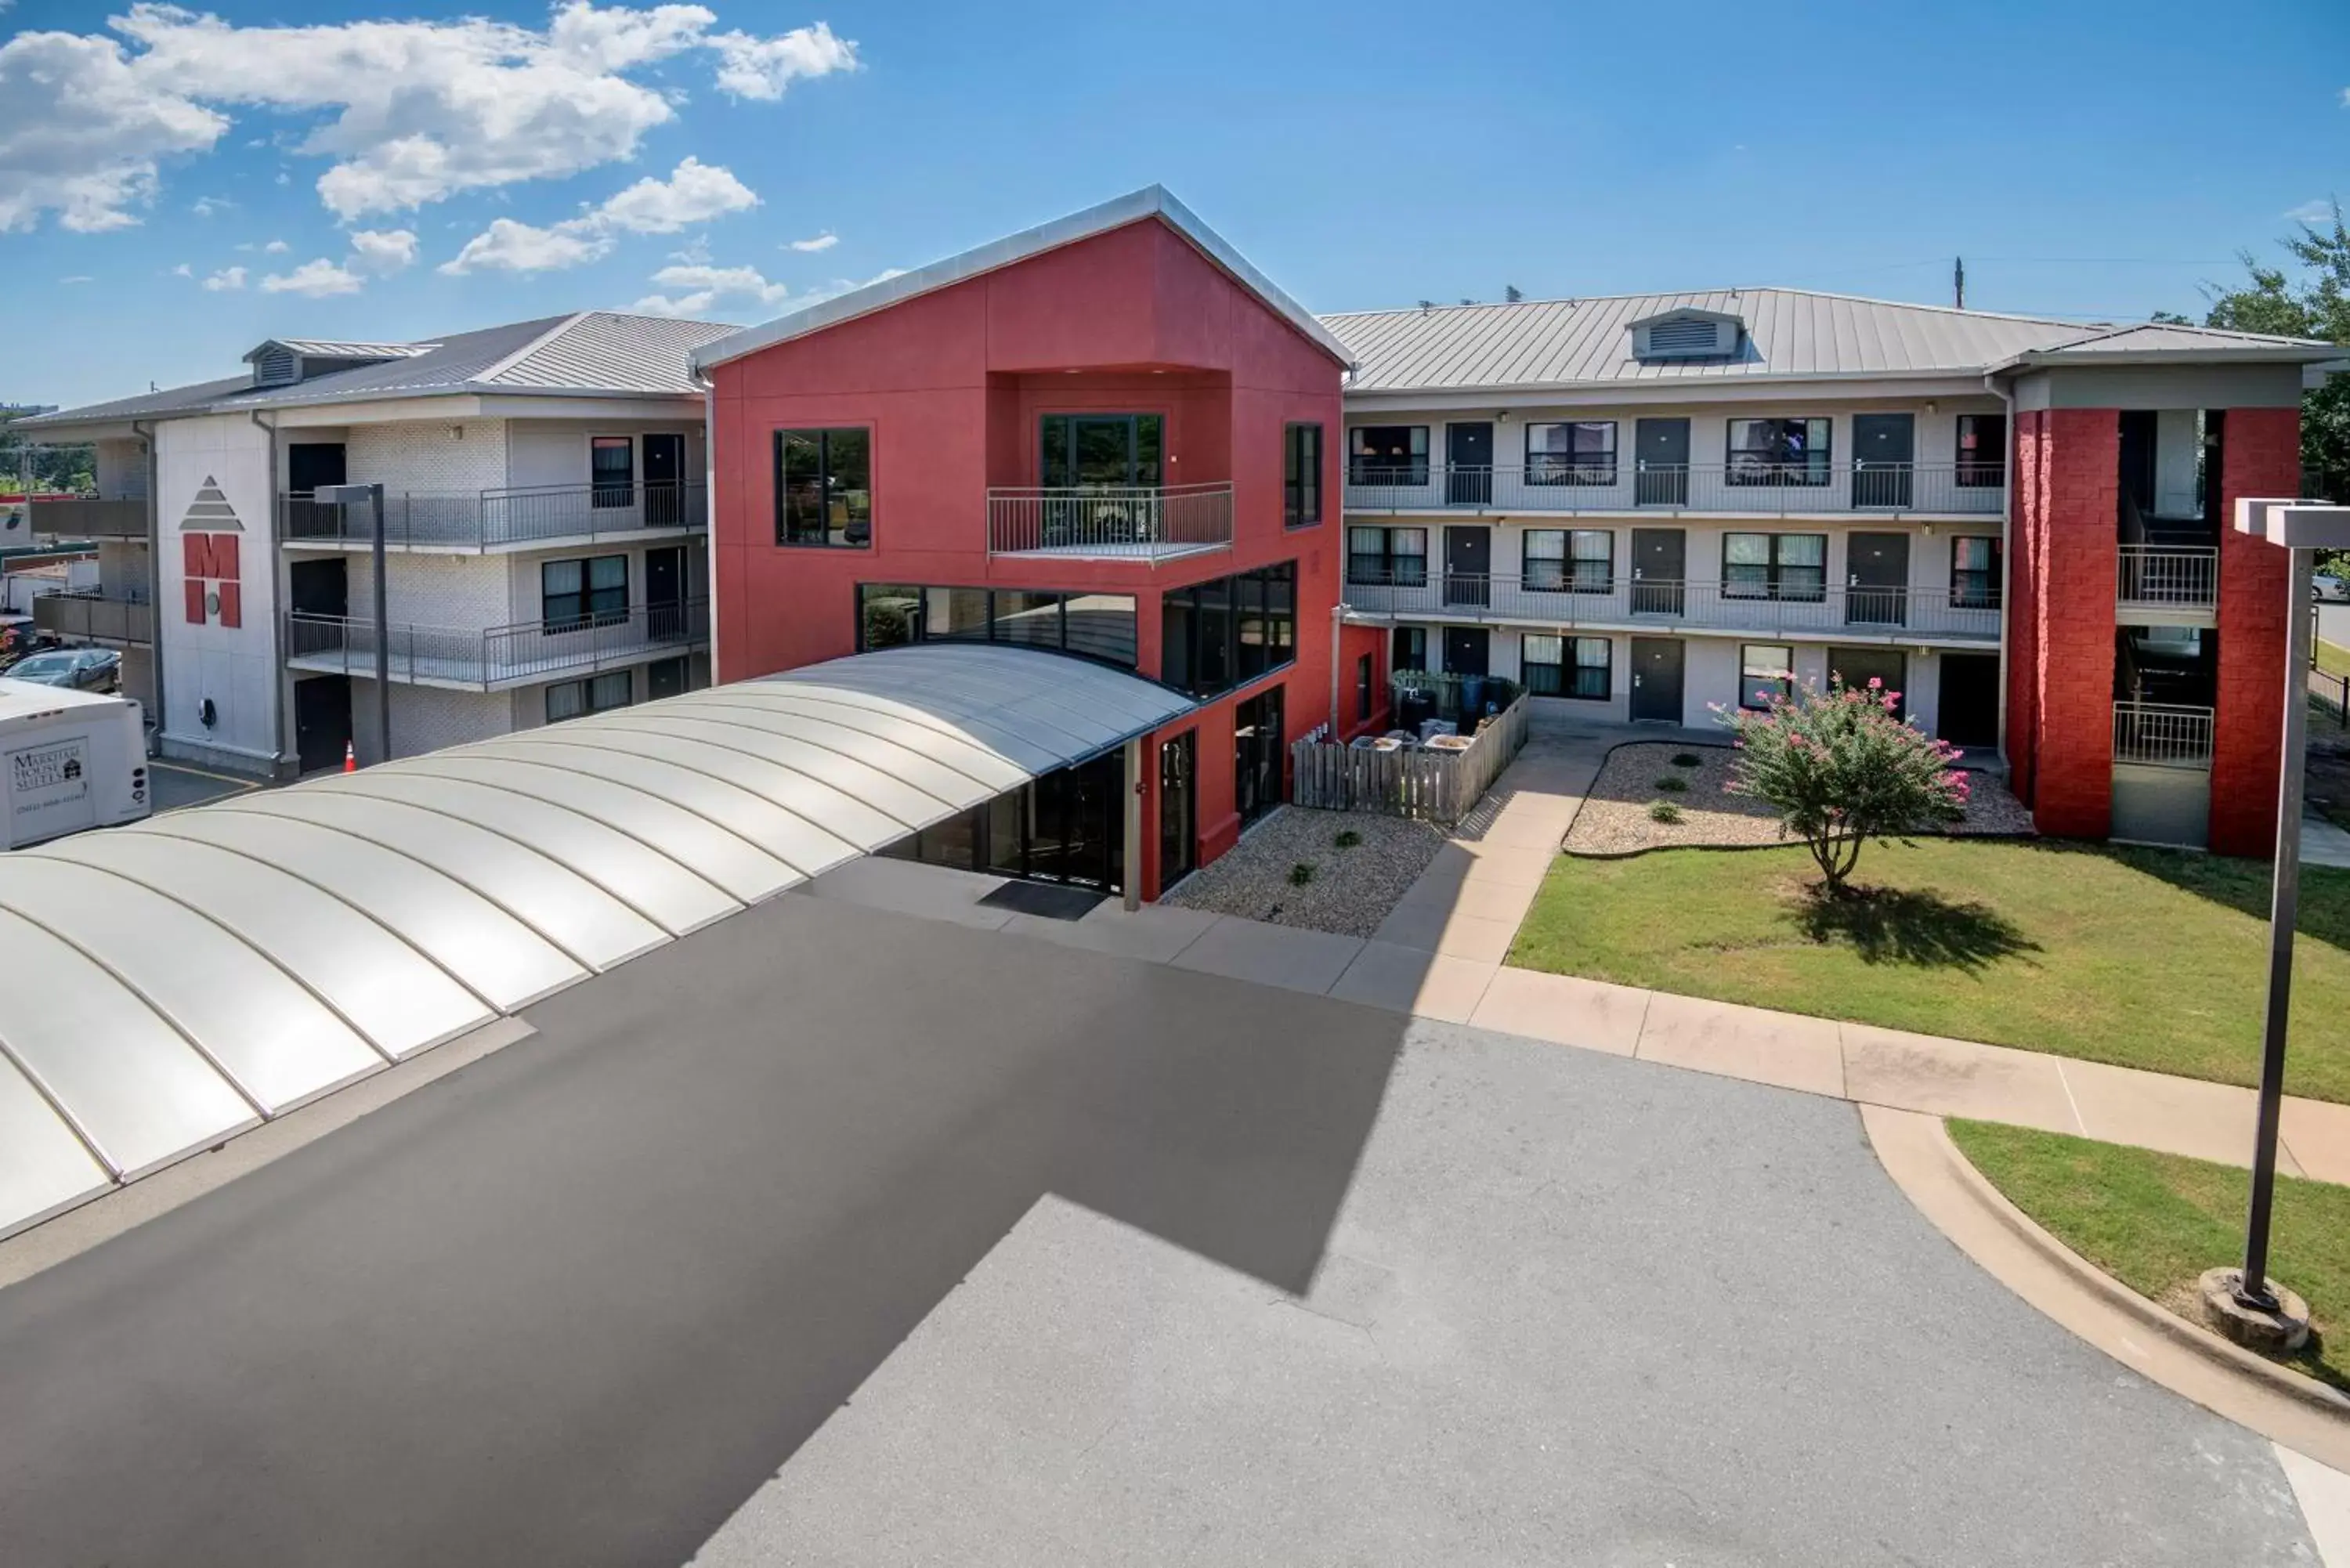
(2295,525)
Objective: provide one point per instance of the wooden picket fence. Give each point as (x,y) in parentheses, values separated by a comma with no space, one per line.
(1428,785)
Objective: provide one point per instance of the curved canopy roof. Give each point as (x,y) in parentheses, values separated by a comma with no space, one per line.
(199,972)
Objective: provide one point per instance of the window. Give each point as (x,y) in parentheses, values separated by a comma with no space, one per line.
(1086,451)
(1765,670)
(1567,666)
(1220,634)
(1574,561)
(612,466)
(1388,556)
(1974,574)
(1790,566)
(583,593)
(597,694)
(1411,649)
(1387,454)
(668,676)
(1580,452)
(1091,626)
(1363,690)
(1982,450)
(824,487)
(1301,475)
(1779,451)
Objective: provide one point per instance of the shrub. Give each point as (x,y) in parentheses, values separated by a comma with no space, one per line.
(1687,760)
(1663,811)
(1673,784)
(1842,770)
(1348,839)
(1301,874)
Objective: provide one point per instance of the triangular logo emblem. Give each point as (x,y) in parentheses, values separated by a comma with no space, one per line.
(210,512)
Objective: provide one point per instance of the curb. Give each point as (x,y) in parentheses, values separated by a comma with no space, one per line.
(2169,1325)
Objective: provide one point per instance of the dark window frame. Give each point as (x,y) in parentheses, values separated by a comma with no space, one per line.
(1746,679)
(1569,676)
(1573,466)
(1365,677)
(1571,578)
(859,593)
(1383,575)
(1966,593)
(1207,667)
(586,686)
(1774,584)
(1384,468)
(1980,472)
(1301,474)
(583,608)
(1133,420)
(793,532)
(608,492)
(1773,465)
(1411,636)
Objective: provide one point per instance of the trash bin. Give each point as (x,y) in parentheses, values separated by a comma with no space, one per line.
(1472,698)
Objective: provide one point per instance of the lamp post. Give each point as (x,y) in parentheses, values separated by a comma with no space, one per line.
(371,497)
(2300,529)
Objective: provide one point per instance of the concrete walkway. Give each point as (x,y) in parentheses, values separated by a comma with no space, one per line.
(1440,955)
(2322,843)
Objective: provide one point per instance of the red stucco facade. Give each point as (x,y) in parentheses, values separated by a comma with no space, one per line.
(952,384)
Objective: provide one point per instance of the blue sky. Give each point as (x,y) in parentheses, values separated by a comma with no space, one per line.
(2094,159)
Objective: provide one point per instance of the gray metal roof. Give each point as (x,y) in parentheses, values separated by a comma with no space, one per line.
(1791,333)
(2173,340)
(1151,202)
(607,349)
(331,349)
(187,977)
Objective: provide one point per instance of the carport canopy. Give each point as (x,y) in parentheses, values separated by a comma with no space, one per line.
(175,982)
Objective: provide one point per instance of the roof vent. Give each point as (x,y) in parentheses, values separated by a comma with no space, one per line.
(276,366)
(1686,335)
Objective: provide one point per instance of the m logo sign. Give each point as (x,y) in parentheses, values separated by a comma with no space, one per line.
(208,546)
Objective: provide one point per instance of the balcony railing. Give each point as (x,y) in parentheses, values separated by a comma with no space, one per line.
(87,517)
(2162,734)
(500,655)
(1138,522)
(94,615)
(2168,576)
(1761,489)
(491,519)
(1826,611)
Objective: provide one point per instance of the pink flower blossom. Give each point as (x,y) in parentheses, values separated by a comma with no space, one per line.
(1876,683)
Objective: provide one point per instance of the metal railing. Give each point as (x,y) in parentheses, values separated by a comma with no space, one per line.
(2162,734)
(88,516)
(527,651)
(96,615)
(486,519)
(1629,601)
(1759,489)
(1142,521)
(2169,576)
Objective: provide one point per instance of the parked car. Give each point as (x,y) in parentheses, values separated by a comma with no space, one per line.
(83,668)
(2326,586)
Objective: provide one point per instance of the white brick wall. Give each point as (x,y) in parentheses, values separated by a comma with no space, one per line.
(121,468)
(424,456)
(468,591)
(427,718)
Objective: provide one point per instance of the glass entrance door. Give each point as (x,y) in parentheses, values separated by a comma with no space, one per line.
(1097,452)
(1179,832)
(1256,756)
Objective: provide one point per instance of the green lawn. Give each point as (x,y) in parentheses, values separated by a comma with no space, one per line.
(2156,1221)
(2333,659)
(2146,958)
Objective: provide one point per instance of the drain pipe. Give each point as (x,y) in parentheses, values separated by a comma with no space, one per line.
(276,597)
(2006,556)
(145,430)
(1338,625)
(710,511)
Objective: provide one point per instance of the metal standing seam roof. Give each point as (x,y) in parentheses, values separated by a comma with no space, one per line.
(204,971)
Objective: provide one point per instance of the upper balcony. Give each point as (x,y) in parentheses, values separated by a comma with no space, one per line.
(1753,489)
(1144,523)
(88,516)
(498,658)
(1826,611)
(482,522)
(92,615)
(2177,585)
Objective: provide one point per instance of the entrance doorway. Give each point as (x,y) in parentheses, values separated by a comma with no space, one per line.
(1179,808)
(1469,458)
(1877,579)
(1656,678)
(1468,651)
(665,592)
(665,481)
(1257,755)
(322,720)
(1883,454)
(1065,826)
(1661,455)
(1468,565)
(312,463)
(1968,708)
(1858,666)
(1659,566)
(1091,452)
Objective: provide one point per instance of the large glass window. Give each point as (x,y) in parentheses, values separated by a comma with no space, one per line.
(1974,573)
(1301,475)
(1982,450)
(612,465)
(1409,648)
(824,487)
(1790,566)
(1388,556)
(1579,452)
(1092,625)
(1566,665)
(1387,454)
(1101,450)
(1563,560)
(1217,635)
(1027,620)
(888,615)
(572,699)
(1765,670)
(582,593)
(1779,451)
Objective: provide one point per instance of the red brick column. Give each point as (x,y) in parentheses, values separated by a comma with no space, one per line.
(2022,734)
(2259,455)
(2068,492)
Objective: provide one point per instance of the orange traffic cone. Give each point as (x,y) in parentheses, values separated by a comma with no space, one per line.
(350,758)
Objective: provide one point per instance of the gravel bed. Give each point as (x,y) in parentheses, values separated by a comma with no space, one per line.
(1615,816)
(1351,891)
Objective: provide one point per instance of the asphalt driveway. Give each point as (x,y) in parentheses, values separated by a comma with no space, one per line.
(1120,1263)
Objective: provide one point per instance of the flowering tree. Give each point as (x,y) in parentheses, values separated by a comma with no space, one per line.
(1842,770)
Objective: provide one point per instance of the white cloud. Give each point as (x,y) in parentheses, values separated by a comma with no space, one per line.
(407,112)
(823,241)
(228,279)
(78,277)
(210,206)
(694,192)
(277,247)
(314,279)
(183,270)
(2319,211)
(705,286)
(383,251)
